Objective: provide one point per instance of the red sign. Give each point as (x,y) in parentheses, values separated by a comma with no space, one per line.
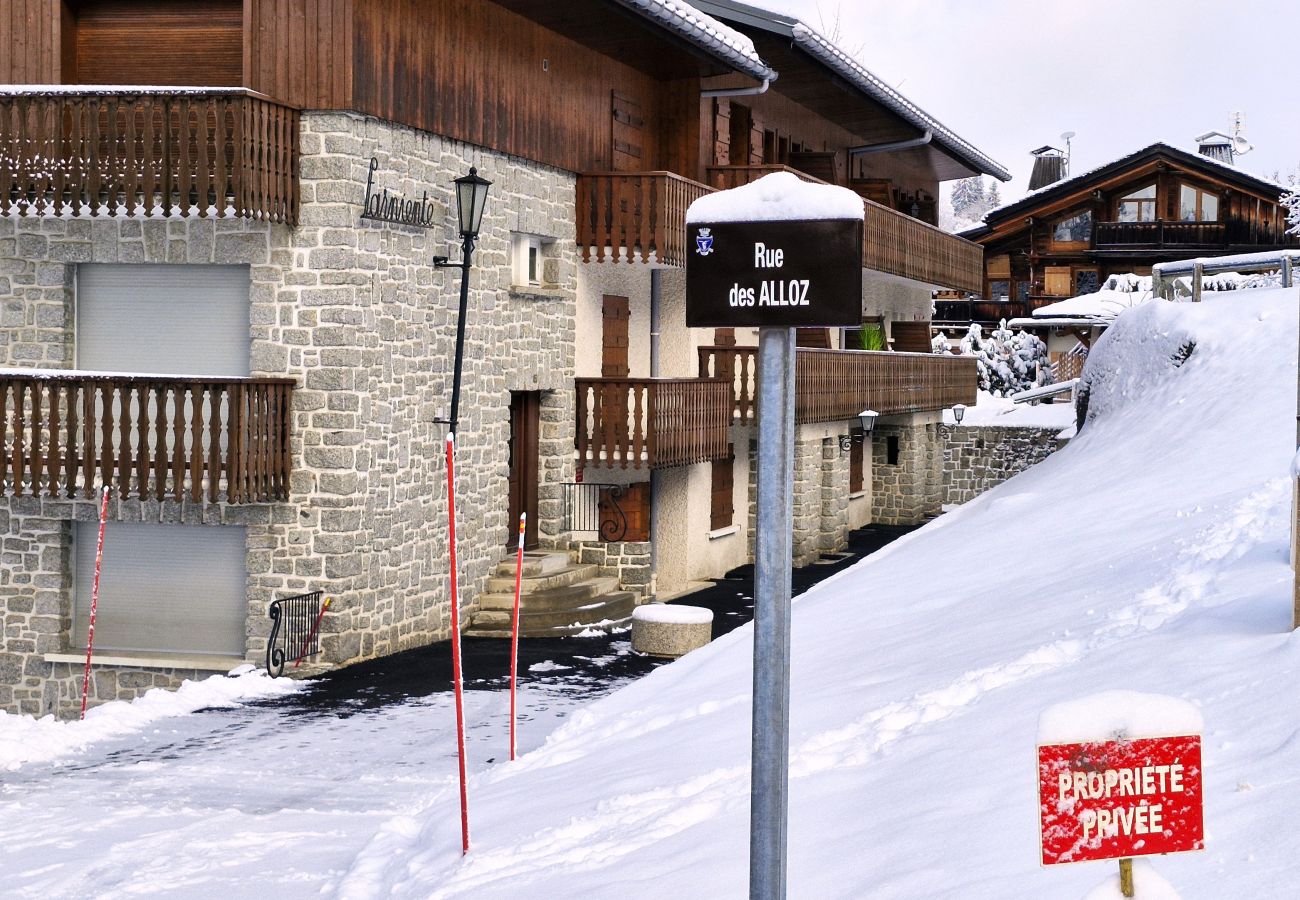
(1113,799)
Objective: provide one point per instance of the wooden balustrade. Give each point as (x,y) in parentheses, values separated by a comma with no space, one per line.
(219,152)
(625,213)
(151,437)
(1159,234)
(833,385)
(651,422)
(723,178)
(900,245)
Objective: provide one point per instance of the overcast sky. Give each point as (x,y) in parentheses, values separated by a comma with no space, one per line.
(1011,75)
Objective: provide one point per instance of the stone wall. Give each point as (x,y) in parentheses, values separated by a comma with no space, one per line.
(910,490)
(976,458)
(628,561)
(357,315)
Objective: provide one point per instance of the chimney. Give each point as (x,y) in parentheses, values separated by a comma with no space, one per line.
(1049,167)
(1217,146)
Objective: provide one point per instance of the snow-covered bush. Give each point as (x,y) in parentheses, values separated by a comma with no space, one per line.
(1009,362)
(1291,201)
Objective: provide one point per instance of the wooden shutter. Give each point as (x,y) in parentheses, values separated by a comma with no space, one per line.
(856,453)
(816,338)
(724,337)
(720,511)
(160,42)
(721,132)
(1057,281)
(627,128)
(911,337)
(999,267)
(819,164)
(615,315)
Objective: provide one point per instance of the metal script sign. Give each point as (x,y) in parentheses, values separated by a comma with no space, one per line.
(1119,799)
(787,274)
(382,206)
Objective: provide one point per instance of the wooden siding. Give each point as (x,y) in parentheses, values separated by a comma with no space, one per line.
(227,153)
(148,437)
(30,41)
(834,385)
(651,422)
(482,74)
(301,51)
(156,42)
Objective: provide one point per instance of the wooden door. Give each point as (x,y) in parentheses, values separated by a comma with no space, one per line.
(634,505)
(525,427)
(615,316)
(627,134)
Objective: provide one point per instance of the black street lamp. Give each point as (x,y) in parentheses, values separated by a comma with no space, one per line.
(867,422)
(471,200)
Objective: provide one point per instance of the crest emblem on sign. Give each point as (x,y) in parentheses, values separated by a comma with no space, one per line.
(704,242)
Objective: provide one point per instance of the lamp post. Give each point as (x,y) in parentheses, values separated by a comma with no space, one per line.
(958,413)
(867,422)
(471,200)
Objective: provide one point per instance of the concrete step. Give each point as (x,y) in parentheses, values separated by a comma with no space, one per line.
(553,598)
(477,631)
(614,606)
(536,562)
(571,574)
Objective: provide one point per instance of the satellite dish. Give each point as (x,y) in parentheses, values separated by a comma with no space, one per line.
(1066,135)
(1241,146)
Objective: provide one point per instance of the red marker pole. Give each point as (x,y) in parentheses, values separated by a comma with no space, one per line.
(302,652)
(94,600)
(514,637)
(457,681)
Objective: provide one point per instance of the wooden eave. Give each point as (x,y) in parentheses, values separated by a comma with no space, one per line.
(616,32)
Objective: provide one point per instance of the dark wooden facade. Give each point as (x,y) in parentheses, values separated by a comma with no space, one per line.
(1157,204)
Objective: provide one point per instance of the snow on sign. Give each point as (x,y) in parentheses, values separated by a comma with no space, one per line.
(779,252)
(1111,795)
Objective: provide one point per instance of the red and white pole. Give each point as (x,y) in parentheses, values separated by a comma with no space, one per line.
(457,680)
(514,636)
(94,600)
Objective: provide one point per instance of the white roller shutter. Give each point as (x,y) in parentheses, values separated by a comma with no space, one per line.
(163,320)
(166,588)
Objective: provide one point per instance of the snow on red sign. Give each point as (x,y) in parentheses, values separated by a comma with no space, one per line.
(1112,799)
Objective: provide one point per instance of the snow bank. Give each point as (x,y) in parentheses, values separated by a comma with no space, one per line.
(26,739)
(1005,413)
(1150,554)
(1147,885)
(1113,715)
(779,197)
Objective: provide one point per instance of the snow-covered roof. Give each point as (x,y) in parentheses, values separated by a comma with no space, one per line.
(1065,185)
(781,196)
(1103,305)
(705,32)
(824,51)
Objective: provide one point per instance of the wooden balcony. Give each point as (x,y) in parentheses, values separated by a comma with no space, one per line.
(623,214)
(1160,234)
(645,213)
(987,312)
(833,385)
(148,152)
(151,437)
(651,423)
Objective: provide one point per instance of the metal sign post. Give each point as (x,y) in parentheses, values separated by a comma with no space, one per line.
(772,554)
(778,274)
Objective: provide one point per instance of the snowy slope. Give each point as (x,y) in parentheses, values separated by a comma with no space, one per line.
(1149,554)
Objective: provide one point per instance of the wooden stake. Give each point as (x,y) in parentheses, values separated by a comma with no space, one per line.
(94,601)
(1126,876)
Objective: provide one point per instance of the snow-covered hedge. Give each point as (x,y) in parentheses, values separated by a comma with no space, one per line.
(1009,362)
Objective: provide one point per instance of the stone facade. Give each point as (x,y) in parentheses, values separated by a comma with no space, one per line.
(357,315)
(628,561)
(976,458)
(906,470)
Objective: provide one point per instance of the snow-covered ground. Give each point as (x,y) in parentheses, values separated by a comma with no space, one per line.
(1150,554)
(1006,413)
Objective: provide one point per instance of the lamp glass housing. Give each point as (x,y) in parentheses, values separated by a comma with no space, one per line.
(867,419)
(958,413)
(471,200)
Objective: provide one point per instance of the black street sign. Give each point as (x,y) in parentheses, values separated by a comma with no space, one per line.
(790,274)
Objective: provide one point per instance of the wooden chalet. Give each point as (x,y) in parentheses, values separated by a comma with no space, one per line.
(1159,203)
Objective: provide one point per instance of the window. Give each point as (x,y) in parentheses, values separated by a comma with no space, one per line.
(1139,206)
(1086,281)
(999,290)
(528,254)
(1196,205)
(891,450)
(1077,229)
(720,511)
(1022,291)
(856,478)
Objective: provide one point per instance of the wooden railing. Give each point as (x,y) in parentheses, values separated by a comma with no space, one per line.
(143,152)
(1160,234)
(152,437)
(723,178)
(628,213)
(900,245)
(651,422)
(832,385)
(963,312)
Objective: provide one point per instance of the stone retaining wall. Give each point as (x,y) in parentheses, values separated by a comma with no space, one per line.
(976,458)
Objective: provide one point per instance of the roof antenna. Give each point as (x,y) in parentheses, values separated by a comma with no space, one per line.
(1066,136)
(1239,143)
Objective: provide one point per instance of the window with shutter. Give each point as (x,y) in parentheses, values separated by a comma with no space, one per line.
(615,315)
(856,453)
(720,510)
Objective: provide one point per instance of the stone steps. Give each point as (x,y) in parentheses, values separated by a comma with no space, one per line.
(557,597)
(570,595)
(606,612)
(536,562)
(572,574)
